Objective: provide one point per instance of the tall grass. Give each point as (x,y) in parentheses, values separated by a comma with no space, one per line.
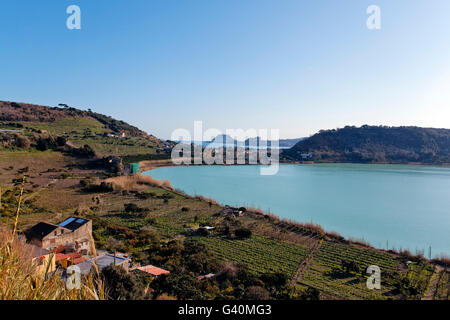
(133,182)
(20,278)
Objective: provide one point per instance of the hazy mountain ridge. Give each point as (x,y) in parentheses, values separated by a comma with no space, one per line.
(256,141)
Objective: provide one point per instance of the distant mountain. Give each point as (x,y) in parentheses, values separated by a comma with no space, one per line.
(250,142)
(289,143)
(375,144)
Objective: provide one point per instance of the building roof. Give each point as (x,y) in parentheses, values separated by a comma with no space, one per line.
(71,256)
(41,230)
(154,271)
(101,261)
(207,276)
(73,223)
(108,259)
(85,267)
(78,260)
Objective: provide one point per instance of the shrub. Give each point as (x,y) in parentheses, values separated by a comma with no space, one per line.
(202,232)
(132,207)
(22,142)
(119,285)
(350,266)
(256,293)
(243,233)
(310,294)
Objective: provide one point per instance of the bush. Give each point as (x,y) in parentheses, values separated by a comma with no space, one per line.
(202,232)
(132,207)
(243,233)
(61,141)
(119,285)
(256,293)
(350,266)
(22,142)
(311,294)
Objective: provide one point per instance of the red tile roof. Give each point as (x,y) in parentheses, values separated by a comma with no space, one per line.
(59,249)
(78,260)
(62,256)
(154,271)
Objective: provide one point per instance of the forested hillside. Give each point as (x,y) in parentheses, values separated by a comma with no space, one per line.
(375,144)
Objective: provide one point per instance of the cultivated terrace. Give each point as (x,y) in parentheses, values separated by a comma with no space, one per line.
(74,163)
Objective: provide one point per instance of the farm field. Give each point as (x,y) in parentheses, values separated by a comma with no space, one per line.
(325,271)
(86,130)
(442,286)
(259,254)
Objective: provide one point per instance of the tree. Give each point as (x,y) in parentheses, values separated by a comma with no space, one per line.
(87,132)
(350,266)
(131,207)
(257,293)
(275,280)
(181,286)
(243,233)
(310,294)
(119,285)
(114,245)
(22,142)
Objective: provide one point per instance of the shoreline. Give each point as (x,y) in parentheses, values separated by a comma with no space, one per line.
(149,165)
(336,236)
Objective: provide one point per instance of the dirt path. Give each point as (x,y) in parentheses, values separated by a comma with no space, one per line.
(434,278)
(305,263)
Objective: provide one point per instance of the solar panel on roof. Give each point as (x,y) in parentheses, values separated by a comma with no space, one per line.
(80,221)
(64,223)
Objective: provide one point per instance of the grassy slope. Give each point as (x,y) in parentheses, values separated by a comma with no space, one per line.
(269,249)
(74,123)
(75,129)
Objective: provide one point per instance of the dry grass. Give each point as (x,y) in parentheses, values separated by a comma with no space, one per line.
(209,200)
(135,182)
(20,279)
(443,260)
(360,242)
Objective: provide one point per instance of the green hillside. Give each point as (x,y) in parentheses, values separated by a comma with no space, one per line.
(373,144)
(107,136)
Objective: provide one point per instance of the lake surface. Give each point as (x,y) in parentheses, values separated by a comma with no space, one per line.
(398,206)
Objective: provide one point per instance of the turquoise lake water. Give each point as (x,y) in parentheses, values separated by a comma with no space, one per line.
(398,206)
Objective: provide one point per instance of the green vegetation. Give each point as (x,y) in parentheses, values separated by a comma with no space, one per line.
(371,144)
(253,256)
(329,274)
(103,134)
(259,254)
(442,291)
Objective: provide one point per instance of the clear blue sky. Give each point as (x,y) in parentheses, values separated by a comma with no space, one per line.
(299,66)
